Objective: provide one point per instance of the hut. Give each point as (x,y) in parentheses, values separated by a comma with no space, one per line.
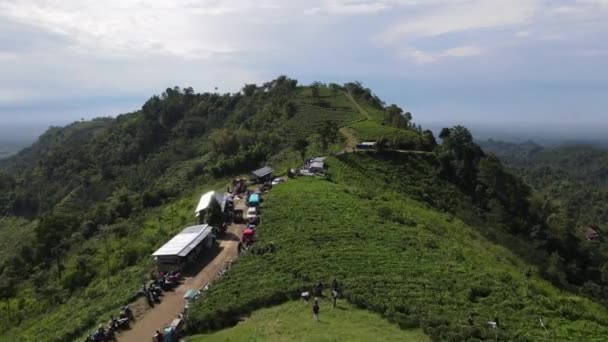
(262,175)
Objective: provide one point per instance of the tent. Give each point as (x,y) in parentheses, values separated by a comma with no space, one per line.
(254,199)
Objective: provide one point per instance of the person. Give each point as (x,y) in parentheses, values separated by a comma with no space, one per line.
(334,297)
(158,337)
(315,310)
(334,284)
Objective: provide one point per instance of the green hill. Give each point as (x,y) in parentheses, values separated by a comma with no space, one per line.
(293,322)
(395,256)
(439,238)
(92,200)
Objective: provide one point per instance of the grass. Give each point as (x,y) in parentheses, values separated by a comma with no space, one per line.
(13,233)
(292,321)
(395,256)
(370,130)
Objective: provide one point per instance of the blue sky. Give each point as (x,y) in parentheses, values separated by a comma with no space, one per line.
(501,63)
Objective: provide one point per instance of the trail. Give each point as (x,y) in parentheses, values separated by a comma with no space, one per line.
(351,140)
(172,302)
(363,111)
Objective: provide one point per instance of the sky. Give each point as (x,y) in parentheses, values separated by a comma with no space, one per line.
(518,64)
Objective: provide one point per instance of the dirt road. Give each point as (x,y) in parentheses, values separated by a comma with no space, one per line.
(172,302)
(351,140)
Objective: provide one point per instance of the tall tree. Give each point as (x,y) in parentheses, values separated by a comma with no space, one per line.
(301,145)
(328,133)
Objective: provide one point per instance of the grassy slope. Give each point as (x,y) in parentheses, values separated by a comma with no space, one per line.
(394,256)
(95,303)
(13,233)
(292,321)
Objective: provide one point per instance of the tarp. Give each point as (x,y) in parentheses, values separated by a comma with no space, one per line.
(204,202)
(190,294)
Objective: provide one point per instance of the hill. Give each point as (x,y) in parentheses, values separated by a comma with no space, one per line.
(393,255)
(292,321)
(86,204)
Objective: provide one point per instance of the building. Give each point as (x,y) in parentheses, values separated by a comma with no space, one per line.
(184,247)
(262,175)
(366,145)
(316,166)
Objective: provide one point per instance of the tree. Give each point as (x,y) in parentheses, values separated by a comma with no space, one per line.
(328,133)
(301,145)
(249,89)
(445,133)
(314,91)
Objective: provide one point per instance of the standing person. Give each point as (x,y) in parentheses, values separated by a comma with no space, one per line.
(334,284)
(334,297)
(315,310)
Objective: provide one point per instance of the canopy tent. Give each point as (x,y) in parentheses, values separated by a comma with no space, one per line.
(206,200)
(254,199)
(183,243)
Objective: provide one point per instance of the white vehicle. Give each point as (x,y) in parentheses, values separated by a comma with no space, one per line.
(252,212)
(277,181)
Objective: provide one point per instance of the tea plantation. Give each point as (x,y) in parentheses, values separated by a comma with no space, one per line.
(393,255)
(293,321)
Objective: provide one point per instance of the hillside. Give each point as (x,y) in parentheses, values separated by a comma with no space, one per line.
(292,321)
(395,256)
(85,205)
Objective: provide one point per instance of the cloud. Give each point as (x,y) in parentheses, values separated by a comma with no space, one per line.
(420,56)
(522,34)
(462,16)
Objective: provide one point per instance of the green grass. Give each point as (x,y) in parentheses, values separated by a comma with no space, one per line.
(292,321)
(371,131)
(14,232)
(395,256)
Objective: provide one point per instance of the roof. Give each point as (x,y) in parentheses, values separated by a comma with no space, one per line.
(317,159)
(592,233)
(265,171)
(184,242)
(255,197)
(367,143)
(204,202)
(317,165)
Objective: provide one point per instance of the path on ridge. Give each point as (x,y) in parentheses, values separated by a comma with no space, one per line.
(172,302)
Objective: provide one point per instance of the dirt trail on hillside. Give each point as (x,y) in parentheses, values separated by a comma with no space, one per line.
(363,111)
(172,302)
(351,140)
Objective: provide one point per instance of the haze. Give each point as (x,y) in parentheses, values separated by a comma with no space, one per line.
(512,65)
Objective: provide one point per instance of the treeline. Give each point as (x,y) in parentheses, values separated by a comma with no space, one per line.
(569,187)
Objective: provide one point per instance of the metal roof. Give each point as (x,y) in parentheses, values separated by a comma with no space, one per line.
(184,242)
(317,165)
(317,159)
(265,171)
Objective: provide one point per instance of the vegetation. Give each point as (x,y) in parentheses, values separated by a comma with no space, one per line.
(90,201)
(292,321)
(395,256)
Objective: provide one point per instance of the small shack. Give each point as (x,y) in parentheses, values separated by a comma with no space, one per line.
(262,175)
(366,145)
(183,248)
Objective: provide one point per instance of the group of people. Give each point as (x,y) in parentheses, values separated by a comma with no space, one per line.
(106,334)
(318,292)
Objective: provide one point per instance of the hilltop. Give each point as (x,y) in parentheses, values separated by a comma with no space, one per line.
(433,236)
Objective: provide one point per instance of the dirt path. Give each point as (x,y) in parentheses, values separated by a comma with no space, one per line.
(363,111)
(351,140)
(172,302)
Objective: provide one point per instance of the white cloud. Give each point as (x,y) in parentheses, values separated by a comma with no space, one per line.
(420,56)
(522,34)
(457,17)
